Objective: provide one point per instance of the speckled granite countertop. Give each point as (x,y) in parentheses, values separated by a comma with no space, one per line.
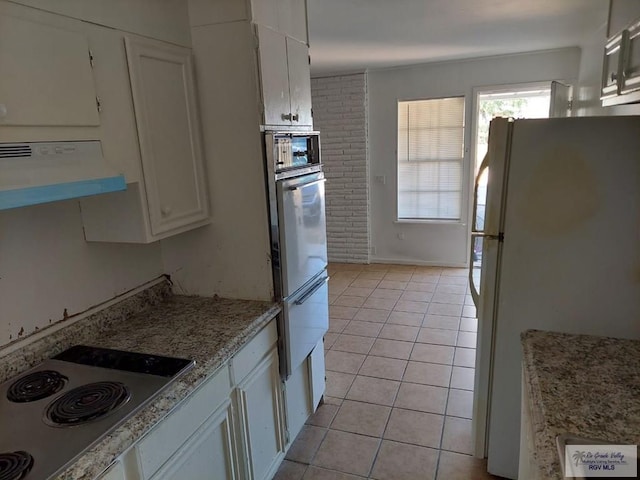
(584,385)
(208,330)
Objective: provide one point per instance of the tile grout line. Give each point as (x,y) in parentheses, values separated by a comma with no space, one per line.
(368,353)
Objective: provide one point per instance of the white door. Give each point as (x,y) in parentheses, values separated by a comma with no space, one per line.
(302,223)
(560,104)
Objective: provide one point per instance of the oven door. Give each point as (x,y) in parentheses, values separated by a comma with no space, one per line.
(306,320)
(302,230)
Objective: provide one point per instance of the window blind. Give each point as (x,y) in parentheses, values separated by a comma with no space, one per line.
(430,157)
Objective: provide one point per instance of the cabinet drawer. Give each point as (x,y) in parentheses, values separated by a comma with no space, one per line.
(247,358)
(160,444)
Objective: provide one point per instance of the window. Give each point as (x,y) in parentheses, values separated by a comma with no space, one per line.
(430,158)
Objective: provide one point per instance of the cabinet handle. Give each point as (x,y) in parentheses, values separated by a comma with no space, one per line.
(165,211)
(295,117)
(303,185)
(286,116)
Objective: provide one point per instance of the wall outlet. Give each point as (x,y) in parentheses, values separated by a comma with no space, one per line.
(381,179)
(401,236)
(374,250)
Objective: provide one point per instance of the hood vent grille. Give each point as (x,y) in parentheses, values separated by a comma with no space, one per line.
(43,172)
(15,150)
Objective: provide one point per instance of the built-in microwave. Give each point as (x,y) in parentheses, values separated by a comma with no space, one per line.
(292,150)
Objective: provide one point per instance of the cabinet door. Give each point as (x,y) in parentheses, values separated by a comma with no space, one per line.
(46,75)
(274,77)
(114,472)
(260,408)
(299,82)
(208,454)
(631,68)
(168,129)
(612,66)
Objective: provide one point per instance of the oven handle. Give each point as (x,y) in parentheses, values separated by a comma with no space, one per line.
(302,185)
(306,296)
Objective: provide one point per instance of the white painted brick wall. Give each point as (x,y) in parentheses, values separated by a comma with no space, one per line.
(340,114)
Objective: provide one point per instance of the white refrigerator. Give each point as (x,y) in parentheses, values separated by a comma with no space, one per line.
(556,246)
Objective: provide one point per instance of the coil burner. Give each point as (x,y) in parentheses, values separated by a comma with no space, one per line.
(86,403)
(15,465)
(36,386)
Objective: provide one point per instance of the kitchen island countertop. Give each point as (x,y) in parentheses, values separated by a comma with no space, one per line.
(209,330)
(584,385)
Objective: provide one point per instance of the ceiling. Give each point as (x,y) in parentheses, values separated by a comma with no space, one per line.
(354,35)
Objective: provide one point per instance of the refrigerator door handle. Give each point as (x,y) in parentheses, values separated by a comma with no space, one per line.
(475,295)
(476,186)
(303,185)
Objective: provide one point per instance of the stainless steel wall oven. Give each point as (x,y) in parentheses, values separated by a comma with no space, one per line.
(298,242)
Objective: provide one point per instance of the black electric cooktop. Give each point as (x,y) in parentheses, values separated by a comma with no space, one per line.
(54,412)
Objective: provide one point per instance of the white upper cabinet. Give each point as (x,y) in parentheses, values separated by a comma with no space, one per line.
(168,129)
(631,61)
(47,78)
(299,82)
(166,192)
(285,79)
(621,65)
(274,77)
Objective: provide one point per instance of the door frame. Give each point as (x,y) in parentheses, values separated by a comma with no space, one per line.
(473,137)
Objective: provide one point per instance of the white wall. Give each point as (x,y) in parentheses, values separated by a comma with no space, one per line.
(46,267)
(232,256)
(162,19)
(438,243)
(340,114)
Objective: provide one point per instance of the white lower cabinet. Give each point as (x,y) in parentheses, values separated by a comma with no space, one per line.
(114,472)
(528,467)
(232,427)
(260,413)
(208,454)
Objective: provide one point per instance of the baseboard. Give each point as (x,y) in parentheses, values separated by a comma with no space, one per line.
(422,263)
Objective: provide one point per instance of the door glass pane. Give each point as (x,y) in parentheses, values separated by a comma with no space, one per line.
(481,199)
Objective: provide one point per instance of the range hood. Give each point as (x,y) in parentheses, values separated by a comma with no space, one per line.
(42,172)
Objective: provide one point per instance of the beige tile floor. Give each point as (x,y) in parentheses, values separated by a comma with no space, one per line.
(400,356)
